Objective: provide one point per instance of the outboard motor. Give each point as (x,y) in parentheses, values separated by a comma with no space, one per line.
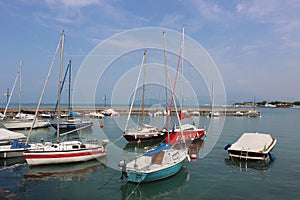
(122,165)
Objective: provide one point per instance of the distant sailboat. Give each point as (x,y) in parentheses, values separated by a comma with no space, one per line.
(253,112)
(21,120)
(213,113)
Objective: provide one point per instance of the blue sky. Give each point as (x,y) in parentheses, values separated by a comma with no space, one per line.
(255,44)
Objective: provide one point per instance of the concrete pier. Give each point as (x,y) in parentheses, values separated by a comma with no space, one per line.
(124,111)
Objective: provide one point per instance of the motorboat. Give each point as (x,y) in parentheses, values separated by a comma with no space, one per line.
(252,146)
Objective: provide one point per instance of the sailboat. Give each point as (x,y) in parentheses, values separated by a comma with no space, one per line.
(74,121)
(213,113)
(145,132)
(164,161)
(62,152)
(21,120)
(190,131)
(253,112)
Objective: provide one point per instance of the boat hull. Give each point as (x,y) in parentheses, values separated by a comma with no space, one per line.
(252,146)
(189,135)
(72,126)
(59,157)
(11,153)
(138,177)
(144,137)
(25,124)
(249,155)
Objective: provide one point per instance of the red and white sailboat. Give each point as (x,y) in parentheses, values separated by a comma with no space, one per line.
(62,152)
(190,131)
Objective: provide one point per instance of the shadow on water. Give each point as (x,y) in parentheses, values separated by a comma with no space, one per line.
(172,186)
(7,162)
(62,171)
(244,165)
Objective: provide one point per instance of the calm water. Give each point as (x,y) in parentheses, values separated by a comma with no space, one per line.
(212,177)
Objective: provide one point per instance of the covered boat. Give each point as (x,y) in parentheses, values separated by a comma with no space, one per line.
(255,146)
(10,147)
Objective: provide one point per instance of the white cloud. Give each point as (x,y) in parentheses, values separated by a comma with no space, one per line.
(73,3)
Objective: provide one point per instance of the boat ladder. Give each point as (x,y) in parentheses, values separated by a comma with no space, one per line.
(244,153)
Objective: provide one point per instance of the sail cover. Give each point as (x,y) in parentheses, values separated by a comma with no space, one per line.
(10,135)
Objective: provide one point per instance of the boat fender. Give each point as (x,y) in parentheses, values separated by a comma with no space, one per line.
(227,146)
(271,156)
(193,156)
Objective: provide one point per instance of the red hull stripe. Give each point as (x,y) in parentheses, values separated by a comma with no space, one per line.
(189,135)
(61,155)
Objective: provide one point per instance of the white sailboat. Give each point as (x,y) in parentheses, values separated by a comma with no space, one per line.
(62,152)
(21,120)
(213,113)
(253,112)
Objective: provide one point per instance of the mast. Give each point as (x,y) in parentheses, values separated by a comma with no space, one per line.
(212,98)
(43,91)
(9,95)
(69,96)
(134,93)
(143,93)
(166,72)
(20,88)
(60,82)
(182,86)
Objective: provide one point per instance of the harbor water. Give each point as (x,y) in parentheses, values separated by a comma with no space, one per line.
(214,176)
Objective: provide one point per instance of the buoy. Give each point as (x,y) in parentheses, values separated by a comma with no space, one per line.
(227,146)
(139,141)
(271,156)
(101,125)
(193,156)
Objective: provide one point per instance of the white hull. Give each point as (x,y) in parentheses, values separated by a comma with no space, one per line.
(65,152)
(7,152)
(25,124)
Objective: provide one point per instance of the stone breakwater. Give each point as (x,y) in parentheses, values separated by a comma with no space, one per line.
(124,111)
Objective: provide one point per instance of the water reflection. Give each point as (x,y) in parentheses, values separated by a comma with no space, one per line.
(7,162)
(244,165)
(65,172)
(161,189)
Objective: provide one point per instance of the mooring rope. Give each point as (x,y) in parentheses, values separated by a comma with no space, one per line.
(108,180)
(133,191)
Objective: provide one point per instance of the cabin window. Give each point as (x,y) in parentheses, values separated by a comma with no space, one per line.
(75,147)
(82,146)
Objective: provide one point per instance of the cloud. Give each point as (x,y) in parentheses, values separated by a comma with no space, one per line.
(281,16)
(73,3)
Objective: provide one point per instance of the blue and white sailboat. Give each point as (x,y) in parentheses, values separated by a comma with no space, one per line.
(164,161)
(156,164)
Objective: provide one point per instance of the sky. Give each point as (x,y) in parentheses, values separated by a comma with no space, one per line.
(255,44)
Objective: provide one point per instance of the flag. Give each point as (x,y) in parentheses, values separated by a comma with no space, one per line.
(182,116)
